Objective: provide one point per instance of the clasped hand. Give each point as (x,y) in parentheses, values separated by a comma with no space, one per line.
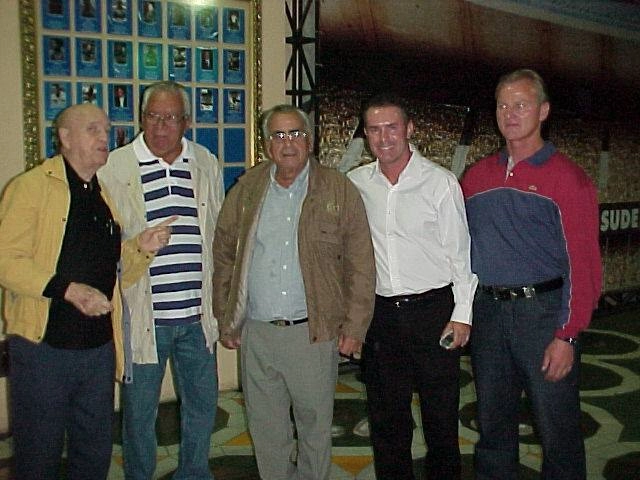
(90,301)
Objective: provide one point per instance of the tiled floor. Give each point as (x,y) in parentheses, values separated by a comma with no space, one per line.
(610,406)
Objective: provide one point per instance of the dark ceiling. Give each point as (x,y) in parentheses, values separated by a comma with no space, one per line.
(455,50)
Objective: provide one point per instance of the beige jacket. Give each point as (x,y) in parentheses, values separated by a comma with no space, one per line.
(335,250)
(121,176)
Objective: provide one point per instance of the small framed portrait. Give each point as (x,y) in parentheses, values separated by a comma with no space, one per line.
(179,56)
(56,59)
(120,135)
(180,63)
(206,59)
(87,49)
(150,61)
(87,8)
(179,21)
(149,11)
(88,18)
(150,55)
(54,7)
(89,93)
(120,96)
(120,53)
(58,98)
(55,14)
(207,64)
(88,57)
(121,102)
(233,66)
(234,106)
(207,105)
(150,18)
(233,25)
(208,137)
(234,145)
(207,23)
(119,16)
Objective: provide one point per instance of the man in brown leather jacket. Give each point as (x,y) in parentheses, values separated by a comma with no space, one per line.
(293,272)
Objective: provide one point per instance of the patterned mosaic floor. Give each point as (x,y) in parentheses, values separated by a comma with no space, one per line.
(610,405)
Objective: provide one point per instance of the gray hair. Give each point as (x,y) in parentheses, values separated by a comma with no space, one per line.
(525,74)
(284,108)
(171,88)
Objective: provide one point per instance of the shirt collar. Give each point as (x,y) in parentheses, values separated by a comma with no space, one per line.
(410,170)
(537,158)
(300,181)
(145,155)
(78,184)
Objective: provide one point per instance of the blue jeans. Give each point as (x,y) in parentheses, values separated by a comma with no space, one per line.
(56,391)
(196,383)
(509,338)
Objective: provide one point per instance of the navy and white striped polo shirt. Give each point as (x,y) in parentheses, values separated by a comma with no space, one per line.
(176,271)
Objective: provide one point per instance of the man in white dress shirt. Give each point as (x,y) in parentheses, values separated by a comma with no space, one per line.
(424,290)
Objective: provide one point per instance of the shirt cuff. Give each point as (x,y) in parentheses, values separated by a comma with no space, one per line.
(462,313)
(57,287)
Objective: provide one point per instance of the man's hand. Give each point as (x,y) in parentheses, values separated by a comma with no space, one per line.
(461,333)
(88,300)
(558,360)
(154,238)
(349,346)
(232,343)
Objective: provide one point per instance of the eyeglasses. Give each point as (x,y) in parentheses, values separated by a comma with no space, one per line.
(170,119)
(292,135)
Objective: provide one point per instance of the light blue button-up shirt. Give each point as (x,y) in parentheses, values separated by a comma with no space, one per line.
(276,288)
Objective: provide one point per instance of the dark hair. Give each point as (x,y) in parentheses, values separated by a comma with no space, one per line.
(386,99)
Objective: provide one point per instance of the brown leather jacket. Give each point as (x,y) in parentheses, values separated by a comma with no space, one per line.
(335,250)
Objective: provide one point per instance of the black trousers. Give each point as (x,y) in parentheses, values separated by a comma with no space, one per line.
(402,355)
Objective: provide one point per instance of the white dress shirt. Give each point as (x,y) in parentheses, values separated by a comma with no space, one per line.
(419,230)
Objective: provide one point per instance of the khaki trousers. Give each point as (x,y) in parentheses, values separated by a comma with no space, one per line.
(282,371)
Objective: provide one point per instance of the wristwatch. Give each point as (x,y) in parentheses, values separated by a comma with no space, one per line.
(570,340)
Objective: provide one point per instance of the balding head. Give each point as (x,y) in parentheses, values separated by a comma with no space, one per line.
(83,135)
(77,113)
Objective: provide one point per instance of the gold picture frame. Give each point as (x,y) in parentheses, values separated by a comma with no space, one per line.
(33,114)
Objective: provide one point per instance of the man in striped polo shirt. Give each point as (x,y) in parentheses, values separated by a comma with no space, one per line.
(159,175)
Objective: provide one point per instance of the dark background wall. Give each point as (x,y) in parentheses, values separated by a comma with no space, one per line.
(453,51)
(445,57)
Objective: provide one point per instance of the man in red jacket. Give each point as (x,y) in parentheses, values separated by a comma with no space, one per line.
(533,219)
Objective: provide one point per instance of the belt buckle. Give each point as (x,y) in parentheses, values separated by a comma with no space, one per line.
(279,323)
(529,292)
(397,303)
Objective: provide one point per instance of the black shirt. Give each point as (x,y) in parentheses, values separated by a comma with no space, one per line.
(89,254)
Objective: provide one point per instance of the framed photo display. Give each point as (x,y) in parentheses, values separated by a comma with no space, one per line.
(106,52)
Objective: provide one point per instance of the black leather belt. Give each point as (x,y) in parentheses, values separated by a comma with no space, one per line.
(400,300)
(288,323)
(525,291)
